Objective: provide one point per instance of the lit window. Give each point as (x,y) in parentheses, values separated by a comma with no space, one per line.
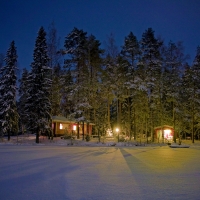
(61,126)
(167,133)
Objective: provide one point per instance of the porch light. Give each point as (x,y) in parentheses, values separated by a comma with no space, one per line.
(117,130)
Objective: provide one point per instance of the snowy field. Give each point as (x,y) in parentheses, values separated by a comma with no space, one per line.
(48,172)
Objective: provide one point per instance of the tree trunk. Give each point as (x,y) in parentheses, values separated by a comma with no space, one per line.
(37,136)
(146,128)
(88,128)
(95,122)
(134,119)
(151,125)
(174,121)
(78,135)
(108,115)
(119,114)
(9,135)
(83,131)
(193,123)
(129,118)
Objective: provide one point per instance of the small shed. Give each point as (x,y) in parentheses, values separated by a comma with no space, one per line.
(164,132)
(61,126)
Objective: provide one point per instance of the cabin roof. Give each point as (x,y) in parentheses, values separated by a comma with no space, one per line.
(60,119)
(64,120)
(164,126)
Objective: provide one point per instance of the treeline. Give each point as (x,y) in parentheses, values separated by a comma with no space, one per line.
(144,84)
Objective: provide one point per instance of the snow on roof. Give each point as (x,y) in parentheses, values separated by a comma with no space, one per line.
(64,119)
(164,126)
(60,119)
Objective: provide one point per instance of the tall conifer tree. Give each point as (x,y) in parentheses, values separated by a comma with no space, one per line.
(8,89)
(130,53)
(75,50)
(23,99)
(39,86)
(54,55)
(151,63)
(171,83)
(195,95)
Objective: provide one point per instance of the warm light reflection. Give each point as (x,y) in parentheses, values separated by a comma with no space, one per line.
(117,130)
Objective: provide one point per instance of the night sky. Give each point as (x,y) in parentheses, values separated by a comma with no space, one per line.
(20,20)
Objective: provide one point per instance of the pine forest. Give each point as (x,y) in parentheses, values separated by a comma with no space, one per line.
(143,84)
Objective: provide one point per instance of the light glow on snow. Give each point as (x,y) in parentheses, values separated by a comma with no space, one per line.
(65,172)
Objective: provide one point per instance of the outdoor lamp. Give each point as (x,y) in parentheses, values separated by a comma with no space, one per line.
(117,130)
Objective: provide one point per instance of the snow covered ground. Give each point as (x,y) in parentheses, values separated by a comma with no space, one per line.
(57,141)
(58,170)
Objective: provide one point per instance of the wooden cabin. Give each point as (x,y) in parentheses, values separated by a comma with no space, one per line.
(164,132)
(63,126)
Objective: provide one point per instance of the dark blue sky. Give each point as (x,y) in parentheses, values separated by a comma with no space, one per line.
(173,20)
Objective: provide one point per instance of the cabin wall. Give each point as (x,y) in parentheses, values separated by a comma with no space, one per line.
(164,132)
(62,128)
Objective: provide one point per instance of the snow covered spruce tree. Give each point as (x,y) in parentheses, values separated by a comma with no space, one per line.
(196,95)
(151,63)
(130,53)
(108,84)
(56,90)
(173,63)
(192,100)
(83,63)
(54,55)
(22,100)
(38,104)
(75,50)
(185,95)
(94,66)
(8,110)
(1,60)
(67,103)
